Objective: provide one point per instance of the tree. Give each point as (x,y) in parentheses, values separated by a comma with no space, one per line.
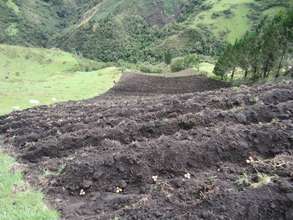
(168,57)
(188,61)
(262,52)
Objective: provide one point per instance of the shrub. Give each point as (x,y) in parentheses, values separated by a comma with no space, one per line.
(191,61)
(188,61)
(168,57)
(177,65)
(148,68)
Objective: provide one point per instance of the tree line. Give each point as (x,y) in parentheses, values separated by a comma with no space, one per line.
(264,52)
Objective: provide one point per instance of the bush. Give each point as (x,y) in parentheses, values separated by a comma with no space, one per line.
(177,65)
(188,61)
(191,61)
(167,57)
(148,68)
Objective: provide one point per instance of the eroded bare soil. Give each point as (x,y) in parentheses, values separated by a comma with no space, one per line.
(222,154)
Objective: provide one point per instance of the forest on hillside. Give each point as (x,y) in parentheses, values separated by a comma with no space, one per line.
(267,51)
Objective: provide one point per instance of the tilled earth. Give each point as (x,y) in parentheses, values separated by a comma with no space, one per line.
(141,85)
(221,154)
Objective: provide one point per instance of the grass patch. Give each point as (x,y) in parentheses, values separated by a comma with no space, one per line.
(32,76)
(17,200)
(234,26)
(235,23)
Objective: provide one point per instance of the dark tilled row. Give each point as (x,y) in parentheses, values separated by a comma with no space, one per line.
(214,157)
(74,118)
(65,139)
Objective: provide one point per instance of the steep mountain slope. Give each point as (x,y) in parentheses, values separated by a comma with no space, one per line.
(113,30)
(230,19)
(204,28)
(131,30)
(35,22)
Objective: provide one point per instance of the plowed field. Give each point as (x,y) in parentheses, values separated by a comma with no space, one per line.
(154,150)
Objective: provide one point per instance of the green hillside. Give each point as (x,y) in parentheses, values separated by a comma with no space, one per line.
(153,27)
(36,22)
(230,19)
(29,22)
(132,30)
(31,77)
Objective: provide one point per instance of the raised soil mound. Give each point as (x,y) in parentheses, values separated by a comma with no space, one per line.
(223,154)
(139,84)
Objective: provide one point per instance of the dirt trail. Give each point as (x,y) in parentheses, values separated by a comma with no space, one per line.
(160,156)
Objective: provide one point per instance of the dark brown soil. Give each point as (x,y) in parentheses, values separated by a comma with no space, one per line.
(124,142)
(138,84)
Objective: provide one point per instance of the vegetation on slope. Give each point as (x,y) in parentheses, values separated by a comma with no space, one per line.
(37,22)
(230,19)
(26,22)
(131,30)
(195,27)
(263,53)
(40,76)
